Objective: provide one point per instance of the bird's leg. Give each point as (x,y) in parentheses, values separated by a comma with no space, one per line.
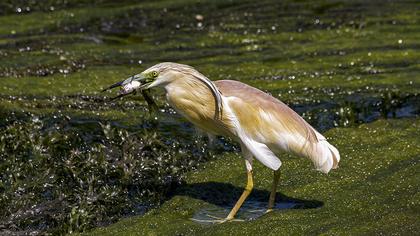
(249,184)
(247,191)
(248,188)
(272,199)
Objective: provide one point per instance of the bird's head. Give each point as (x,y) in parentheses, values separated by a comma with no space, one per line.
(163,74)
(160,75)
(157,75)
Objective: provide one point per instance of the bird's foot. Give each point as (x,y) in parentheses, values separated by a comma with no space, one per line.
(223,220)
(208,221)
(268,210)
(216,217)
(216,220)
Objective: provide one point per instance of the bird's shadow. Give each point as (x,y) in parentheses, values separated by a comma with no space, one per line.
(223,196)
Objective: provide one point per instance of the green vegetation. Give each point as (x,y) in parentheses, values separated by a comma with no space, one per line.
(68,175)
(340,64)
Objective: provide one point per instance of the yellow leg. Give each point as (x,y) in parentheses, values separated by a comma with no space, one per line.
(272,199)
(247,191)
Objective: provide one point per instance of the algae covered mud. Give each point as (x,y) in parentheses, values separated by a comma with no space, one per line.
(71,161)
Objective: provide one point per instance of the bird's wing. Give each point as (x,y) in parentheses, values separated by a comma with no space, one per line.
(261,152)
(256,107)
(265,123)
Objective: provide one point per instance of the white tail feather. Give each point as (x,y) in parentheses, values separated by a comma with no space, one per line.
(336,156)
(325,156)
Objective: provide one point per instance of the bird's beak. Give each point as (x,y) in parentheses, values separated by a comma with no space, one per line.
(139,77)
(130,85)
(112,86)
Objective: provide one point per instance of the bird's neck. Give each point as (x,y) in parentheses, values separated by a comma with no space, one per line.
(191,98)
(194,100)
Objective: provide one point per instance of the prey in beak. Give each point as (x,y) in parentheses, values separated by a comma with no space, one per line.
(131,86)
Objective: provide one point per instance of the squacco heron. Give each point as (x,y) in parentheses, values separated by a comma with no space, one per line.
(261,124)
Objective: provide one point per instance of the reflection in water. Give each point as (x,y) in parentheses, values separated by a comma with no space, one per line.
(250,210)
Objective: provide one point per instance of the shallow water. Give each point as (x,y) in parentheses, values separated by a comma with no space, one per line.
(337,63)
(250,210)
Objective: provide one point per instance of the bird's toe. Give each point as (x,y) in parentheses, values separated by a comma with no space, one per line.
(268,210)
(216,220)
(216,217)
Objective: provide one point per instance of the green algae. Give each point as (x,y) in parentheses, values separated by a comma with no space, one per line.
(374,191)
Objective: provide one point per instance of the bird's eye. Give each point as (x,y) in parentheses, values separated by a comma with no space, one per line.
(154,73)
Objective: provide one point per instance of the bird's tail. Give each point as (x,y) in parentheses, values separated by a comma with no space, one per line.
(325,156)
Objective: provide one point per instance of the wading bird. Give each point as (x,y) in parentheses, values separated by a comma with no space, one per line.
(260,123)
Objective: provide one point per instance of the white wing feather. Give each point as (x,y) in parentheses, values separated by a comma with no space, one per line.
(261,152)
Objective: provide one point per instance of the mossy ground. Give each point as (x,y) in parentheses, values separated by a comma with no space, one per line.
(375,191)
(337,63)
